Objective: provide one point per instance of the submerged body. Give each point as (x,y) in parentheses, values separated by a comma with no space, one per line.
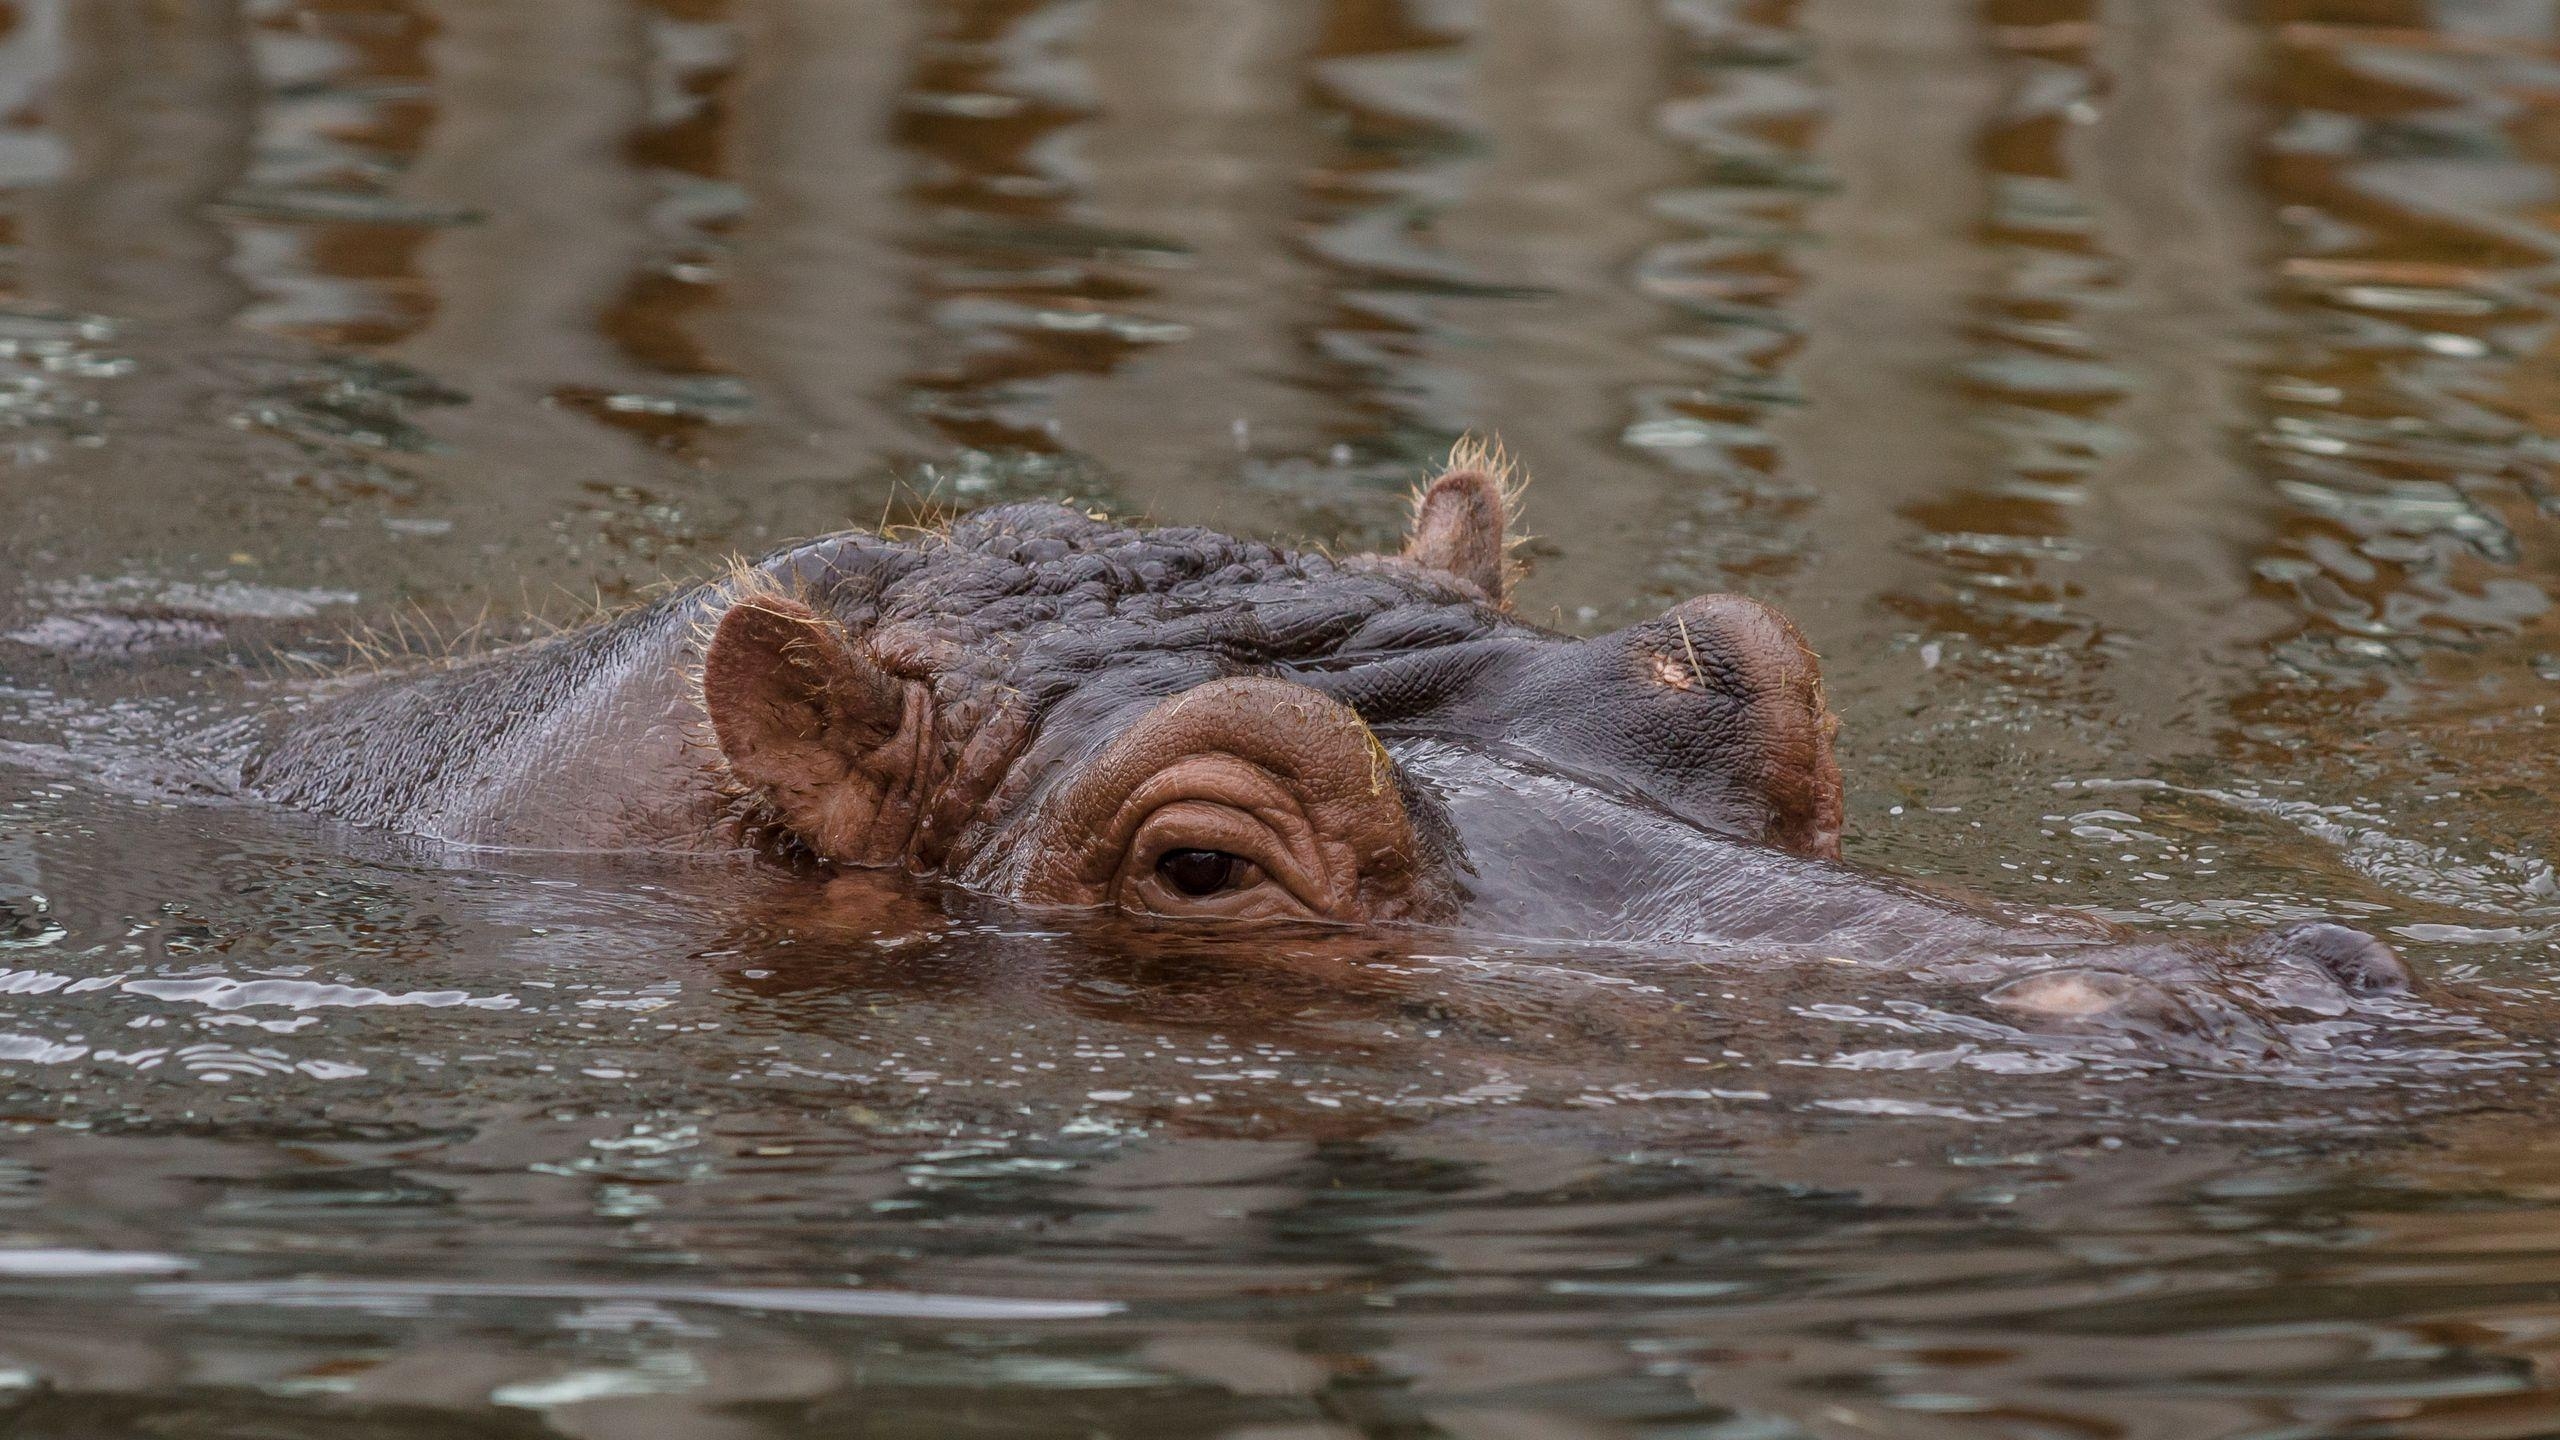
(1067,712)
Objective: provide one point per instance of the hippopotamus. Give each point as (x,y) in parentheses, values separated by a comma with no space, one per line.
(1058,710)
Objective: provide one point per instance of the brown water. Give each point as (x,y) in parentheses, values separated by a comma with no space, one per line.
(2144,404)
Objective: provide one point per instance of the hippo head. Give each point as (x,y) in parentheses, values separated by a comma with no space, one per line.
(1068,712)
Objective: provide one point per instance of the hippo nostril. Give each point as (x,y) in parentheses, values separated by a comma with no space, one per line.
(2360,963)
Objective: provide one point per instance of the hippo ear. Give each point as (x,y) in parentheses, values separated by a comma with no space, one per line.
(814,727)
(1460,523)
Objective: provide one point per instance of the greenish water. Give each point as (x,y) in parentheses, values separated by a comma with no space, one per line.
(2145,407)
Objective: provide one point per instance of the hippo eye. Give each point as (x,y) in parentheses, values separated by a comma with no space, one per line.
(1200,873)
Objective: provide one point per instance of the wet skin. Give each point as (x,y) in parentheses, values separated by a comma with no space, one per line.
(1064,712)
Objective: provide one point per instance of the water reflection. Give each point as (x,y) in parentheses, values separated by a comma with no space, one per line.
(2144,406)
(328,244)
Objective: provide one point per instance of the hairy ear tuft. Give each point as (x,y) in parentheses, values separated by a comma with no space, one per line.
(813,726)
(1462,520)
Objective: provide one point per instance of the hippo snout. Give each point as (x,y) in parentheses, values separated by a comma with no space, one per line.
(2360,963)
(2196,993)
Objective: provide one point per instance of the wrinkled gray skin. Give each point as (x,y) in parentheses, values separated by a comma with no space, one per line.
(1667,784)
